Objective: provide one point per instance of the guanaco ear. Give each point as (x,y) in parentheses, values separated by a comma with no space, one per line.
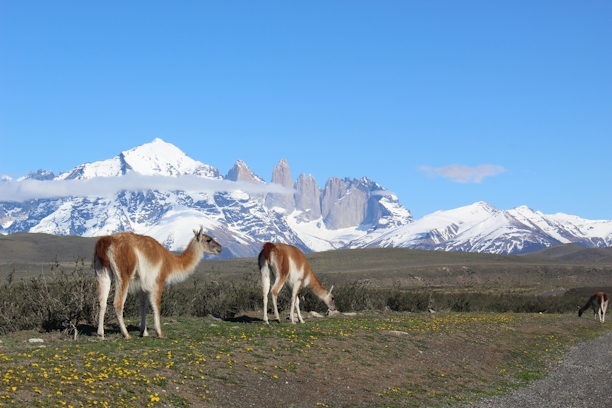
(332,288)
(198,234)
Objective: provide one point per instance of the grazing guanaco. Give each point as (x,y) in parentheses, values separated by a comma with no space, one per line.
(599,302)
(288,264)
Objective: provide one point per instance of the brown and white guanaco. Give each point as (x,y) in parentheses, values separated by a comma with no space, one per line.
(599,302)
(139,263)
(289,265)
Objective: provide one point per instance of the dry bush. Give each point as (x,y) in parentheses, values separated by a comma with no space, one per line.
(63,299)
(423,300)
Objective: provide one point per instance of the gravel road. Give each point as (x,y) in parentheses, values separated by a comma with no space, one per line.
(582,379)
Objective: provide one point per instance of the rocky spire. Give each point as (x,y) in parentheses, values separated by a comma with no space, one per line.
(281,175)
(344,203)
(241,172)
(307,198)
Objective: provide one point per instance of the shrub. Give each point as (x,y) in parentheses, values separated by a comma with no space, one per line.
(60,301)
(65,299)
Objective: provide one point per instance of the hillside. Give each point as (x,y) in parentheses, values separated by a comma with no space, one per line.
(400,267)
(40,248)
(576,253)
(557,267)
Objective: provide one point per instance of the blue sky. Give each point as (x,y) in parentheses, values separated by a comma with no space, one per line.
(444,103)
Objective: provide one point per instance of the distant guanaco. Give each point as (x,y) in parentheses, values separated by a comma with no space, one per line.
(599,302)
(288,264)
(140,263)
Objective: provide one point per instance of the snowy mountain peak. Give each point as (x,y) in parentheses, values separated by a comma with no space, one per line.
(467,214)
(155,158)
(161,158)
(482,205)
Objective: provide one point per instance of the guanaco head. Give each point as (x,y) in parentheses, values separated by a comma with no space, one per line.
(209,245)
(329,300)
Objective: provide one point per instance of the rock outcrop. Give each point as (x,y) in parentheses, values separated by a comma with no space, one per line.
(241,172)
(307,198)
(344,203)
(281,175)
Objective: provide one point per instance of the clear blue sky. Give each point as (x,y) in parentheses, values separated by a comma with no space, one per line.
(444,103)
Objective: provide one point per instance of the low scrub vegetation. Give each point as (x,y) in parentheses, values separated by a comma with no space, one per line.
(62,299)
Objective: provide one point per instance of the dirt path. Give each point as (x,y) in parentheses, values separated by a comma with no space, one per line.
(582,379)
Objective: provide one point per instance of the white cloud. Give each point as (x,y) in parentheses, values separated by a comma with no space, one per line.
(382,193)
(29,189)
(463,174)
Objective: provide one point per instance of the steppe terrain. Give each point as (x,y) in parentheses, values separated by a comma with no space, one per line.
(565,266)
(349,359)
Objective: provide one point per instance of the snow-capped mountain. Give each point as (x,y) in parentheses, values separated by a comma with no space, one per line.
(156,158)
(480,227)
(240,221)
(241,211)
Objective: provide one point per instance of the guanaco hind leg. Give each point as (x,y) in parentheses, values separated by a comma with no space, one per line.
(265,285)
(156,306)
(121,291)
(602,311)
(278,285)
(143,297)
(103,285)
(295,304)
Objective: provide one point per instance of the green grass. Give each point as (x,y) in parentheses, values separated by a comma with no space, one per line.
(203,357)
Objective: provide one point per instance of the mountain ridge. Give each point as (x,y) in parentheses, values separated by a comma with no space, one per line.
(344,213)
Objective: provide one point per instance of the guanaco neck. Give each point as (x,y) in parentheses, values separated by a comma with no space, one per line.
(317,288)
(189,258)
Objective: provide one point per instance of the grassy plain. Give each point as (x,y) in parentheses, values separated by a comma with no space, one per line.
(385,349)
(367,359)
